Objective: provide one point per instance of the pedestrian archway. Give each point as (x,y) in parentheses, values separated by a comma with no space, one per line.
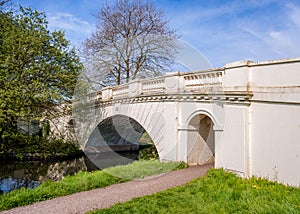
(201,140)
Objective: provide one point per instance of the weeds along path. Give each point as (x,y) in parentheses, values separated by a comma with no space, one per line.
(105,197)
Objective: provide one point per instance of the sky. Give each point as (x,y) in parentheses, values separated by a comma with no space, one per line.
(222,31)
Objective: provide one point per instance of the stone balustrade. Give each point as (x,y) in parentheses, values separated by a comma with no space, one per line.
(203,79)
(174,82)
(120,91)
(156,85)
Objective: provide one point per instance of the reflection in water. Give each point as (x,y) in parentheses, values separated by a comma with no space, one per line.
(9,184)
(15,175)
(59,170)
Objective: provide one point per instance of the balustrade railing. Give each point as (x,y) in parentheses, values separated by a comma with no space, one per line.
(156,85)
(203,80)
(120,91)
(178,82)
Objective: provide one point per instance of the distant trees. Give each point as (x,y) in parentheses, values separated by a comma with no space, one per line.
(132,40)
(38,70)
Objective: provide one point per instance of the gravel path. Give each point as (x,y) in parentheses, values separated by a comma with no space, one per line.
(105,197)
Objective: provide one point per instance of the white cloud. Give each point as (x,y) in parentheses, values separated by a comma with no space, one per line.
(294,14)
(277,36)
(76,28)
(224,32)
(192,15)
(67,21)
(236,30)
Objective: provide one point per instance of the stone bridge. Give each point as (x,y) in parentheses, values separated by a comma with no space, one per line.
(244,117)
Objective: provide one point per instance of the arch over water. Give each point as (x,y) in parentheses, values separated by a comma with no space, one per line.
(116,130)
(111,140)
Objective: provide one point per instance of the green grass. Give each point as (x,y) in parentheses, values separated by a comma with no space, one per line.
(141,169)
(83,181)
(217,192)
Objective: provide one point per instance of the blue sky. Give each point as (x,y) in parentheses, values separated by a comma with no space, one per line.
(223,31)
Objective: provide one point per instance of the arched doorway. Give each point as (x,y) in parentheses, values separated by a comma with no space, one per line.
(201,140)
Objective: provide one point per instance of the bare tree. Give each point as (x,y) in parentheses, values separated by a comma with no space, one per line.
(5,5)
(132,40)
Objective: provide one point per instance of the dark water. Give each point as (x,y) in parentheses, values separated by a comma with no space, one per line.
(15,175)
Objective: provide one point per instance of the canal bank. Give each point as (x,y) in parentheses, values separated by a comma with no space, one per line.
(35,169)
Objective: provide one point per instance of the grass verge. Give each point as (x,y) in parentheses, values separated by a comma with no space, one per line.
(83,181)
(217,192)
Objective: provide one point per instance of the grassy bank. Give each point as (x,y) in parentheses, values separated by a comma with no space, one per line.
(83,181)
(217,192)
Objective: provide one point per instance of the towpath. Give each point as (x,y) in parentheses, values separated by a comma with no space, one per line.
(105,197)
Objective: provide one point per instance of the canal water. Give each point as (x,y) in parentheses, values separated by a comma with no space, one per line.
(15,175)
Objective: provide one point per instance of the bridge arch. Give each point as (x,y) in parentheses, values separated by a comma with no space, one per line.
(116,130)
(201,138)
(115,133)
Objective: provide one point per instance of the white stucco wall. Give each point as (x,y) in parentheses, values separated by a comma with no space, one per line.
(273,74)
(275,142)
(231,153)
(265,134)
(275,119)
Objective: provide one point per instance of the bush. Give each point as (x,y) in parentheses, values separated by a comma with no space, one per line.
(148,153)
(17,146)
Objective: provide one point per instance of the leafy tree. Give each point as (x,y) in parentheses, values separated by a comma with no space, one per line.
(132,40)
(38,70)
